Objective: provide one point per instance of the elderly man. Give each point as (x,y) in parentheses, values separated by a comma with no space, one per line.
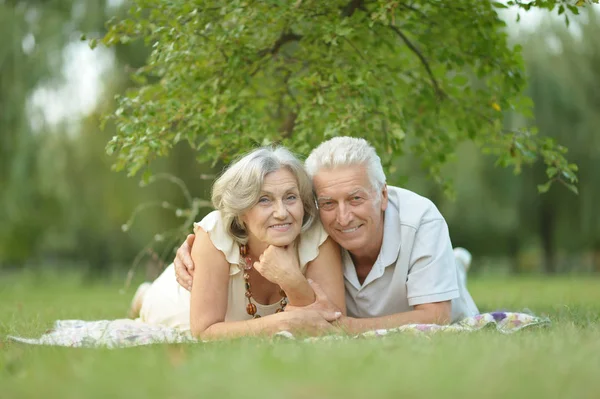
(399,265)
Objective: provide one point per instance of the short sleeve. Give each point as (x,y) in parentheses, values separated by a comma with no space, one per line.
(213,225)
(432,275)
(310,241)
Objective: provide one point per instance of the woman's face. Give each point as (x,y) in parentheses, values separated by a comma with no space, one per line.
(277,217)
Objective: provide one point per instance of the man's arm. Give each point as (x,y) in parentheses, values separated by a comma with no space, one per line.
(427,313)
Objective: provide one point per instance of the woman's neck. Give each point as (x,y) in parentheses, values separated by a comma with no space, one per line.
(256,248)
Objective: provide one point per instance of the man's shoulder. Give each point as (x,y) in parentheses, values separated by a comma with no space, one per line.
(413,209)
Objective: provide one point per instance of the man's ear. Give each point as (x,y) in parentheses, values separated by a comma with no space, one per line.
(384,198)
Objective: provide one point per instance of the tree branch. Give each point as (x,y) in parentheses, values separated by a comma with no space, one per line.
(440,93)
(351,7)
(285,37)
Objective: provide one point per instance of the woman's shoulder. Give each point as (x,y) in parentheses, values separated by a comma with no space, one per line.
(217,232)
(310,241)
(211,221)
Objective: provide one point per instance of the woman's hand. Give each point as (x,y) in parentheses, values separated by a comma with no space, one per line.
(280,265)
(321,305)
(308,322)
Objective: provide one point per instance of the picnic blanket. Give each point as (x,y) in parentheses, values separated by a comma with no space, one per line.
(123,333)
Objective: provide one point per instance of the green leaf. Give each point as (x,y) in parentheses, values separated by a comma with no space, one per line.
(543,188)
(573,188)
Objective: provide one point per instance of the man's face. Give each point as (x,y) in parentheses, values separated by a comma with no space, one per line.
(351,210)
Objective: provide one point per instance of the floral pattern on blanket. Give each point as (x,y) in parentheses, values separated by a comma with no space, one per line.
(123,333)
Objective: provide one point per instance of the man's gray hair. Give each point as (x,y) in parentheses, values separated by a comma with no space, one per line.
(238,188)
(347,151)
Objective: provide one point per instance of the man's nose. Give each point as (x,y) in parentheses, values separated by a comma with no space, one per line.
(344,216)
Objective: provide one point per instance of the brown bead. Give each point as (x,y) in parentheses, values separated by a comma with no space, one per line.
(246,276)
(279,310)
(251,309)
(282,293)
(283,303)
(247,286)
(248,294)
(257,316)
(243,250)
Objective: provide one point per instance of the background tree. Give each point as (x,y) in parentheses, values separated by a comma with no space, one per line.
(226,76)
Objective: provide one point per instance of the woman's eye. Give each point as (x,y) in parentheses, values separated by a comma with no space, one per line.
(291,197)
(263,200)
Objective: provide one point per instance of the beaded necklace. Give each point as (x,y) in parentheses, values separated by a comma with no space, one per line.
(247,266)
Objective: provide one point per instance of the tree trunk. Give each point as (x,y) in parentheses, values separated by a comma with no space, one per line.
(596,257)
(547,222)
(513,253)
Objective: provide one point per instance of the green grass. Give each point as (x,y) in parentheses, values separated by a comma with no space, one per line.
(562,361)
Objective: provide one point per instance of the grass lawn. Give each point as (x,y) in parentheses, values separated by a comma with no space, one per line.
(562,361)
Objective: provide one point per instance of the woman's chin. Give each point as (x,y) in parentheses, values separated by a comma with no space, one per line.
(282,241)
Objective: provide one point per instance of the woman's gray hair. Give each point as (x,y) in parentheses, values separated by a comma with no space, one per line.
(238,188)
(347,151)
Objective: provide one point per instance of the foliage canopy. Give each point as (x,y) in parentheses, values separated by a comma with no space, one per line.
(421,76)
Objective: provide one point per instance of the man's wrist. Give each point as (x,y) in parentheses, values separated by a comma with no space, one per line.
(347,324)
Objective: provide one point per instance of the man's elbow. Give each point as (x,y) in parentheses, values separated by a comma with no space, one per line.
(437,312)
(443,312)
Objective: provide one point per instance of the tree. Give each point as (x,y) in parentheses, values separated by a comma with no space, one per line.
(424,74)
(563,83)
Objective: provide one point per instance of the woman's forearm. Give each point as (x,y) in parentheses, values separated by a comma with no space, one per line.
(298,291)
(267,325)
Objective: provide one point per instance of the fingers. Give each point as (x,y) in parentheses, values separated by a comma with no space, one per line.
(184,279)
(190,239)
(186,249)
(184,265)
(330,316)
(319,293)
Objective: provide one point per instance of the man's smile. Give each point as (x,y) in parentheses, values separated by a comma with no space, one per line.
(350,230)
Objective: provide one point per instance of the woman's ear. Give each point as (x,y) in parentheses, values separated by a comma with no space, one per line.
(241,221)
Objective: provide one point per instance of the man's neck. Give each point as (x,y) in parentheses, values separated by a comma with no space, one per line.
(365,258)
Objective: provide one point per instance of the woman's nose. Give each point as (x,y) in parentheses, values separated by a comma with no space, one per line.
(280,210)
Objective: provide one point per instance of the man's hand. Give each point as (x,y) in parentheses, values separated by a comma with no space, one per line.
(322,304)
(280,265)
(184,266)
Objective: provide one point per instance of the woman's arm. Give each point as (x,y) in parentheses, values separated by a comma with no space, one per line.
(211,276)
(209,297)
(280,266)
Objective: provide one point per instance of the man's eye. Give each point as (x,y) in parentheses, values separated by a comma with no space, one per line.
(326,205)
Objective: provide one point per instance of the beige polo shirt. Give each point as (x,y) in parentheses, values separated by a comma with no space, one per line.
(416,264)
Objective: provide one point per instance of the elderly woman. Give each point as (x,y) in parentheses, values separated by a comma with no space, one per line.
(253,255)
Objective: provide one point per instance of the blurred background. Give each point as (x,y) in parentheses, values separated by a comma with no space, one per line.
(63,207)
